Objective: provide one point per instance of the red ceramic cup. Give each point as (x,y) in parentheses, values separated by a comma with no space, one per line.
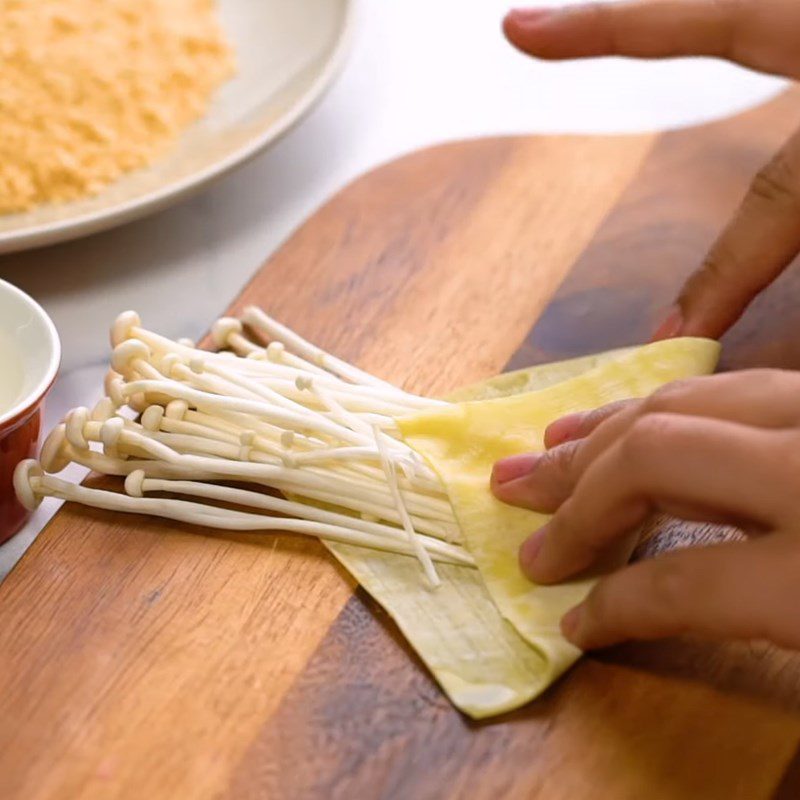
(30,353)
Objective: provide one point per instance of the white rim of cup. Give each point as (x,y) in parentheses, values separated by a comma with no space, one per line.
(34,397)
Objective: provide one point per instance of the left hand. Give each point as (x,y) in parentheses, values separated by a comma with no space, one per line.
(763,236)
(723,448)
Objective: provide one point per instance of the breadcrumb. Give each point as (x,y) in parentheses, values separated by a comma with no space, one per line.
(91,90)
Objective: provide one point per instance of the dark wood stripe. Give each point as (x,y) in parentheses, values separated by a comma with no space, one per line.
(789,787)
(656,235)
(366,720)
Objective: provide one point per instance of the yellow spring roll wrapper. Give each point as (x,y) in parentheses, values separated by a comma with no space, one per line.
(489,636)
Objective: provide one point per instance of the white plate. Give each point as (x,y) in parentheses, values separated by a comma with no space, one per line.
(288,52)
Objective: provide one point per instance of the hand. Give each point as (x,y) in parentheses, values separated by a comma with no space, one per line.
(763,238)
(724,448)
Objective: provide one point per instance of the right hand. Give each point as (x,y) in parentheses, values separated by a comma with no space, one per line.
(763,237)
(721,448)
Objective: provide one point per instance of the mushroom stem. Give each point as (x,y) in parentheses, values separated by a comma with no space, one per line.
(225,519)
(274,330)
(291,508)
(288,416)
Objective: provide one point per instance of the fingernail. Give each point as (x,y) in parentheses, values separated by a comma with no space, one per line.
(562,430)
(671,326)
(529,16)
(513,467)
(570,623)
(530,549)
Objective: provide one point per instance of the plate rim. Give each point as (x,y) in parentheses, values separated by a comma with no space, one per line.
(103,219)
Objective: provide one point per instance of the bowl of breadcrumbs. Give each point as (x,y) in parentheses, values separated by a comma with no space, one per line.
(110,110)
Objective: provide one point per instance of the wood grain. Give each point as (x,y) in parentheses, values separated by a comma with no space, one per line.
(138,659)
(370,722)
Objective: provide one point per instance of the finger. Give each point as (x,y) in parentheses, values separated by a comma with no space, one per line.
(761,240)
(580,425)
(761,398)
(538,481)
(639,29)
(685,466)
(746,590)
(757,34)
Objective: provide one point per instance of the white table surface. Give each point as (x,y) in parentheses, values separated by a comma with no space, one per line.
(420,72)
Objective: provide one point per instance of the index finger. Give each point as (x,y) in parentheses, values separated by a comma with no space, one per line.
(753,34)
(689,467)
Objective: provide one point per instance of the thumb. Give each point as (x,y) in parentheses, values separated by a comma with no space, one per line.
(760,241)
(743,590)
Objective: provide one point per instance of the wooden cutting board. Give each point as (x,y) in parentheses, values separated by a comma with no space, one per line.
(140,660)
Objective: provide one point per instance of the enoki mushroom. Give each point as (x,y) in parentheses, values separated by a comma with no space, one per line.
(269,410)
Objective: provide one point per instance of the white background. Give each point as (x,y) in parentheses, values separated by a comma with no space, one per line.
(421,71)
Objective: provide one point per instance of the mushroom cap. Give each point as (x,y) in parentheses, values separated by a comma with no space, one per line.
(123,325)
(112,385)
(176,409)
(134,483)
(125,353)
(75,422)
(104,409)
(222,329)
(56,453)
(151,417)
(25,470)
